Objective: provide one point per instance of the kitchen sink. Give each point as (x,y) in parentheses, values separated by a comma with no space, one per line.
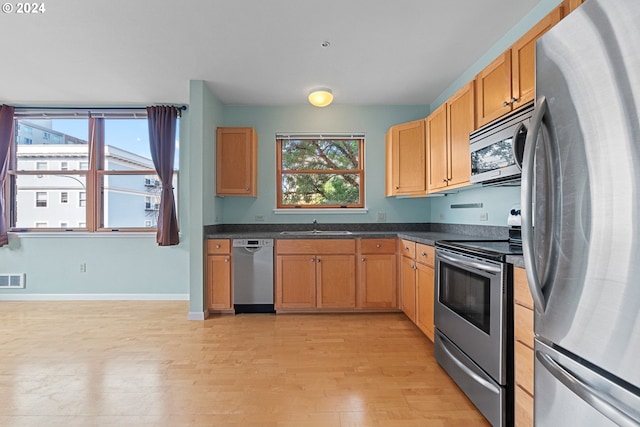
(316,233)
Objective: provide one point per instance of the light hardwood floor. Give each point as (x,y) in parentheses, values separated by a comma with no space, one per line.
(143,364)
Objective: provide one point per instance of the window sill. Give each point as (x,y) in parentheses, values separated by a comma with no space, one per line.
(79,234)
(321,211)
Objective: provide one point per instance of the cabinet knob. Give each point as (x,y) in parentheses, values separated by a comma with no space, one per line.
(226,260)
(363,260)
(513,100)
(444,179)
(377,245)
(423,254)
(313,259)
(217,246)
(246,189)
(505,104)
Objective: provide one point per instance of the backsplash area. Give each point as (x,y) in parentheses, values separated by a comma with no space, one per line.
(479,205)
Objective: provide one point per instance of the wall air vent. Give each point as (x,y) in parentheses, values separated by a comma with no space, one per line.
(12,281)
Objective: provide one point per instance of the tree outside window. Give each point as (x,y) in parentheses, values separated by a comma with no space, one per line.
(320,171)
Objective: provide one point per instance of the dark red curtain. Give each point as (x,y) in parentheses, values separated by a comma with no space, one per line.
(6,136)
(162,139)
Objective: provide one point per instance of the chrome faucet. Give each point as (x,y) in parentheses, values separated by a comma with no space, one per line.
(315,225)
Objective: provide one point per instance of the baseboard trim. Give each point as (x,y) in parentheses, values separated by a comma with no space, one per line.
(94,297)
(196,315)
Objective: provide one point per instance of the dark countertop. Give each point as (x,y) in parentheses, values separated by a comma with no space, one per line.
(427,234)
(426,237)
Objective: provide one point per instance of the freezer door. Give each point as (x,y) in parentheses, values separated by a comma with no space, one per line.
(575,395)
(583,153)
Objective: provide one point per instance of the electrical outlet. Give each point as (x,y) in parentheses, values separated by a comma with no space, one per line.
(259,217)
(83,267)
(382,217)
(484,216)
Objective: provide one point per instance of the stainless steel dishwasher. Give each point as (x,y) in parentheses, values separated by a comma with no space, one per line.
(253,276)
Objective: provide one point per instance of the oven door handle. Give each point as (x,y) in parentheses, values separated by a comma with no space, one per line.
(468,263)
(477,378)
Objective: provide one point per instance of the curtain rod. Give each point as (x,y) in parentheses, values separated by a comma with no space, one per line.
(71,112)
(179,107)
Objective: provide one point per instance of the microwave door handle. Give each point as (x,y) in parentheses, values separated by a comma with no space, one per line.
(469,263)
(535,285)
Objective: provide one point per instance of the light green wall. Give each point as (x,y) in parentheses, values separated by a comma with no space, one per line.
(120,265)
(205,114)
(496,204)
(373,121)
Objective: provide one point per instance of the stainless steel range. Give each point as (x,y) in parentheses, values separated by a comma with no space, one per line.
(473,320)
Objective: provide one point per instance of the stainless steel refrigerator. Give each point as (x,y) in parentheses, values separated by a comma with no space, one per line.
(581,218)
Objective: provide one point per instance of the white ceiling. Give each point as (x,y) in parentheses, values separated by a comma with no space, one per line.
(249,52)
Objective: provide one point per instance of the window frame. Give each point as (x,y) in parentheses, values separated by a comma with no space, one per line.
(360,172)
(94,173)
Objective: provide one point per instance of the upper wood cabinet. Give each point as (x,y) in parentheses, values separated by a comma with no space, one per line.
(448,129)
(236,161)
(570,5)
(509,81)
(406,160)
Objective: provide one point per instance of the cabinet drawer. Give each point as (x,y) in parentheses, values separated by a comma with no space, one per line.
(316,246)
(524,367)
(408,248)
(523,320)
(523,408)
(521,292)
(218,246)
(378,246)
(425,254)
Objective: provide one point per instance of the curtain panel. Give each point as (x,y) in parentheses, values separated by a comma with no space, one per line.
(162,139)
(6,136)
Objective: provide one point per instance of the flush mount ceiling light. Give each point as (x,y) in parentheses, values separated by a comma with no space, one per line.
(320,97)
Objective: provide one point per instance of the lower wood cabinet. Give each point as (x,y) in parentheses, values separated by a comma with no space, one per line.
(523,349)
(408,287)
(425,273)
(417,284)
(377,274)
(218,275)
(315,274)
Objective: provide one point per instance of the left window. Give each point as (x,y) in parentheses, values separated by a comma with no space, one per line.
(100,168)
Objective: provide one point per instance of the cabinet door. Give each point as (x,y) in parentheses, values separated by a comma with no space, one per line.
(408,159)
(219,282)
(424,299)
(408,288)
(336,281)
(236,162)
(461,119)
(377,287)
(523,59)
(570,5)
(437,148)
(295,281)
(494,90)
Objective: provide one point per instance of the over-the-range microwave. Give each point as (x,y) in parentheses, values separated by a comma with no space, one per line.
(497,149)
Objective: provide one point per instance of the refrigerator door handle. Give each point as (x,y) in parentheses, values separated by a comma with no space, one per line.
(606,405)
(533,279)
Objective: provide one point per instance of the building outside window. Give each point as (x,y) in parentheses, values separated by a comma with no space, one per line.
(109,169)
